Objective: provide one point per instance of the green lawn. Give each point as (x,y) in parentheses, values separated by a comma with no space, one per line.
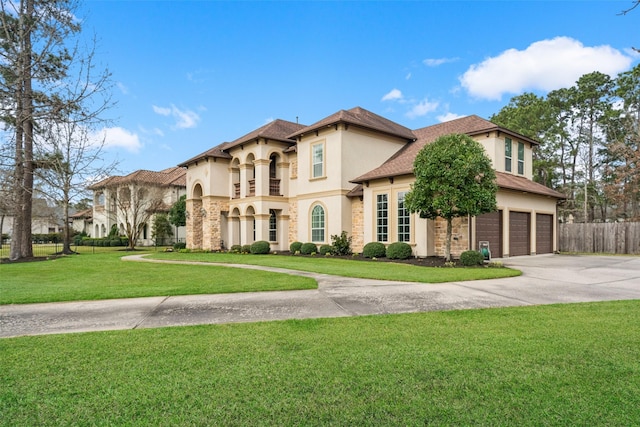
(104,276)
(349,268)
(571,364)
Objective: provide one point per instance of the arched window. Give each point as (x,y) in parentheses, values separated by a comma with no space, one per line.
(317,224)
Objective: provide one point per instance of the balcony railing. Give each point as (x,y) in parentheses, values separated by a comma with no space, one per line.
(236,190)
(252,188)
(274,187)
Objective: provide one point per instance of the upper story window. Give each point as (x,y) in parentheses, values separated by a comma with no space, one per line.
(317,160)
(521,158)
(382,218)
(404,220)
(317,224)
(507,154)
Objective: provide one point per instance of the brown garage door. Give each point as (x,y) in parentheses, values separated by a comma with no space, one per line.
(489,228)
(544,233)
(519,232)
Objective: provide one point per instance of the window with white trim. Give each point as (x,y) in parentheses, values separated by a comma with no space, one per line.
(273,226)
(317,160)
(404,220)
(521,158)
(382,217)
(317,224)
(507,154)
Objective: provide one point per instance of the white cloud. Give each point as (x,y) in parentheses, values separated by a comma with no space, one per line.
(163,111)
(394,95)
(545,65)
(422,108)
(185,119)
(408,76)
(117,137)
(448,117)
(434,62)
(123,88)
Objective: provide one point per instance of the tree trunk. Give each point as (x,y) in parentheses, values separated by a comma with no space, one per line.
(447,249)
(21,240)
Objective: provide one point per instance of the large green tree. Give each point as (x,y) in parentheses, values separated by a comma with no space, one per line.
(454,178)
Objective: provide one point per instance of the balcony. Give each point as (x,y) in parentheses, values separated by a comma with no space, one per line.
(252,188)
(274,187)
(236,190)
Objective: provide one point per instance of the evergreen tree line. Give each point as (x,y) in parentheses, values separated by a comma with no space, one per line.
(590,144)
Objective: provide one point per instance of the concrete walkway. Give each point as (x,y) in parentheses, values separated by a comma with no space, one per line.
(546,279)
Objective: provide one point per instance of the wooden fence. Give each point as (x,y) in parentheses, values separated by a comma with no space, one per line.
(612,238)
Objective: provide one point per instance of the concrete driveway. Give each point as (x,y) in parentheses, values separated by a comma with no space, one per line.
(546,279)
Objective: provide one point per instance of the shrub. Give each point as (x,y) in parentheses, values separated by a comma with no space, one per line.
(399,250)
(326,249)
(179,245)
(260,247)
(374,250)
(470,258)
(341,244)
(246,249)
(114,242)
(308,248)
(236,249)
(295,247)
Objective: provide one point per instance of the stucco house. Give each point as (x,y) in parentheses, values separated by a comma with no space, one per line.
(286,182)
(135,199)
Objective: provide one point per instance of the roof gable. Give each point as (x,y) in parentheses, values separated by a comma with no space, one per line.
(359,117)
(401,163)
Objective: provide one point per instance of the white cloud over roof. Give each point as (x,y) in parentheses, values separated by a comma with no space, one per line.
(185,119)
(117,137)
(422,108)
(393,95)
(545,65)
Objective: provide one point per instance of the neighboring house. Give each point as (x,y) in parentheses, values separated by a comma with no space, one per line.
(115,201)
(82,221)
(45,219)
(287,182)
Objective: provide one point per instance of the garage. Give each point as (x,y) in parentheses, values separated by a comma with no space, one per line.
(519,233)
(489,229)
(544,233)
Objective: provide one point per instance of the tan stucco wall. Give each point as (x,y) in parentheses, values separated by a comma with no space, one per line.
(494,146)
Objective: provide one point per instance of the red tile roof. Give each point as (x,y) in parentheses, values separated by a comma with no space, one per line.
(174,176)
(359,117)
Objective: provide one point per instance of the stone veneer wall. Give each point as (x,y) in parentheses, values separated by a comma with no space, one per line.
(293,167)
(212,223)
(293,221)
(460,229)
(194,224)
(357,225)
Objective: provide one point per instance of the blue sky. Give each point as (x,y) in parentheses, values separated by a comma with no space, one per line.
(191,74)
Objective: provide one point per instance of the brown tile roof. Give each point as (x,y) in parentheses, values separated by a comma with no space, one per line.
(401,163)
(174,176)
(86,213)
(277,130)
(356,191)
(520,183)
(215,152)
(359,117)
